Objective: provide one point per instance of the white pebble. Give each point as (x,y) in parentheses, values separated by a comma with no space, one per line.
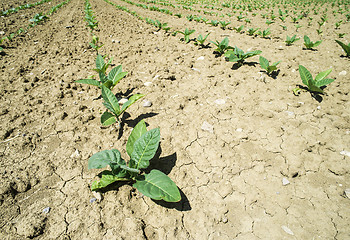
(290,113)
(342,73)
(97,195)
(147,103)
(285,181)
(200,58)
(220,101)
(195,69)
(345,153)
(147,84)
(122,101)
(157,76)
(319,107)
(347,192)
(287,230)
(75,154)
(207,127)
(46,210)
(239,130)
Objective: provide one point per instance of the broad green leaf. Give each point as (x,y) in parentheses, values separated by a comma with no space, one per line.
(144,149)
(110,99)
(107,178)
(324,82)
(317,43)
(107,119)
(108,84)
(104,158)
(119,77)
(271,69)
(131,101)
(92,82)
(345,47)
(253,53)
(276,63)
(99,62)
(102,76)
(305,75)
(136,133)
(307,40)
(158,186)
(264,63)
(322,75)
(314,88)
(114,72)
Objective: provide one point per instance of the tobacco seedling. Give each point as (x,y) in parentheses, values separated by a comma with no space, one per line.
(200,39)
(110,80)
(222,46)
(345,47)
(186,34)
(214,23)
(252,31)
(264,33)
(308,44)
(313,85)
(239,29)
(37,19)
(141,147)
(224,24)
(264,63)
(94,43)
(160,25)
(291,40)
(238,55)
(112,104)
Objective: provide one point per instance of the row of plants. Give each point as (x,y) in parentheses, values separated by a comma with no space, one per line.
(92,24)
(141,146)
(36,20)
(22,7)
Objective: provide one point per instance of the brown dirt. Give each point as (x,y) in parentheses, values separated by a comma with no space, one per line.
(230,177)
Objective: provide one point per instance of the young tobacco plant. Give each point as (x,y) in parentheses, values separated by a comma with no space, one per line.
(264,33)
(200,39)
(94,43)
(222,46)
(141,147)
(310,45)
(238,55)
(110,80)
(238,29)
(224,24)
(186,34)
(313,85)
(264,63)
(291,40)
(345,47)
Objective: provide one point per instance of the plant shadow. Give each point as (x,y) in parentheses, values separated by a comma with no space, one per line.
(314,95)
(274,74)
(183,205)
(237,65)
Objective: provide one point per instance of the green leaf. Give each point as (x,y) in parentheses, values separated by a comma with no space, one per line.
(131,101)
(107,178)
(104,158)
(314,88)
(144,149)
(305,76)
(136,133)
(158,186)
(107,119)
(307,40)
(276,63)
(115,75)
(264,63)
(92,82)
(102,76)
(110,99)
(322,75)
(324,82)
(271,69)
(345,47)
(317,43)
(99,62)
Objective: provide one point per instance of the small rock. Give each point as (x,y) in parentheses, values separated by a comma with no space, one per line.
(220,101)
(147,84)
(93,200)
(280,47)
(342,73)
(2,32)
(345,153)
(147,103)
(195,69)
(157,76)
(290,113)
(200,58)
(97,195)
(287,230)
(293,70)
(115,41)
(347,192)
(319,107)
(46,210)
(239,130)
(207,127)
(224,219)
(122,101)
(285,181)
(75,154)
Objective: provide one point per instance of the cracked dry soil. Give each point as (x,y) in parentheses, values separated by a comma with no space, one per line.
(230,177)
